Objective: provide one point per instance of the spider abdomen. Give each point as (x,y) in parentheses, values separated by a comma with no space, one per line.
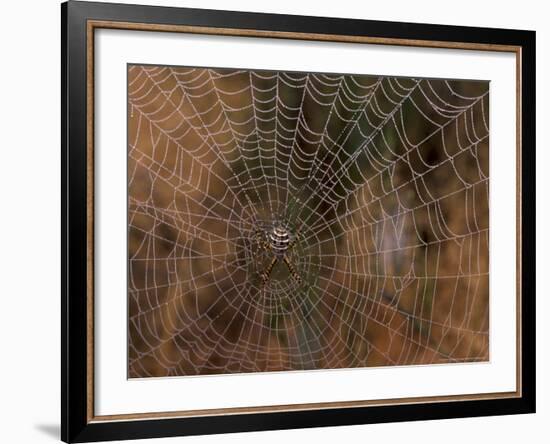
(279,239)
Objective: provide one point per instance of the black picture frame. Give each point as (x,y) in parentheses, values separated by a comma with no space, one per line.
(76,423)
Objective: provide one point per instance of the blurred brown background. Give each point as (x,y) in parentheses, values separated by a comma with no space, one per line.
(383,181)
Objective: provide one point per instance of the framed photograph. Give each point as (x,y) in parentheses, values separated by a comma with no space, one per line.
(276,221)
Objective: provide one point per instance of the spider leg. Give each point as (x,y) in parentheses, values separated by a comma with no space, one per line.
(267,272)
(261,241)
(292,270)
(292,243)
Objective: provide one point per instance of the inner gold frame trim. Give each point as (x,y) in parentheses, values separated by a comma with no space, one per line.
(92,25)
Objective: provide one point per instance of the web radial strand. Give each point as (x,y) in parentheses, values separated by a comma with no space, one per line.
(296,221)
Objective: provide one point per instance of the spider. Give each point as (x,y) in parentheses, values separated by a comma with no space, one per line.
(279,242)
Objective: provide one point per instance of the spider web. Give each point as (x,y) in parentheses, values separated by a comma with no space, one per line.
(382,181)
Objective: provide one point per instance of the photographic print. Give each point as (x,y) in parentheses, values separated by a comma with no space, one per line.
(269,221)
(284,221)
